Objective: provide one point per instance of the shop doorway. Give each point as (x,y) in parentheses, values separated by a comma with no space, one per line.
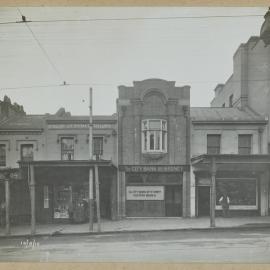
(203,201)
(105,198)
(173,201)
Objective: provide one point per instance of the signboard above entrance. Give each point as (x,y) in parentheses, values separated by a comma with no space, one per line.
(80,126)
(153,168)
(145,193)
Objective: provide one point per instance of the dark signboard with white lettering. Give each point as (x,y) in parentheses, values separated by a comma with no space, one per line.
(154,168)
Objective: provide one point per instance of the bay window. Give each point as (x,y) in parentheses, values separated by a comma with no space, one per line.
(154,135)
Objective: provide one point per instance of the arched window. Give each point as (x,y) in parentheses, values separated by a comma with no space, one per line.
(154,135)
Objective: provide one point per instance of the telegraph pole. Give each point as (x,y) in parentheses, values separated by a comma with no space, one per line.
(91,191)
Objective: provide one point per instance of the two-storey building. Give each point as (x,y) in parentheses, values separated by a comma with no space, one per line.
(153,149)
(55,148)
(237,141)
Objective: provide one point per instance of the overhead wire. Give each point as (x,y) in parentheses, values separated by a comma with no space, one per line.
(42,48)
(117,83)
(136,18)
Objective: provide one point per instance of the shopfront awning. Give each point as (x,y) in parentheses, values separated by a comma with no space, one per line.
(231,162)
(67,163)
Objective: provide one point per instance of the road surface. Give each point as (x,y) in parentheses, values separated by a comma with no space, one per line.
(227,246)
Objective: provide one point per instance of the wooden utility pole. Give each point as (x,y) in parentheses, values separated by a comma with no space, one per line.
(213,193)
(7,190)
(91,193)
(97,197)
(33,199)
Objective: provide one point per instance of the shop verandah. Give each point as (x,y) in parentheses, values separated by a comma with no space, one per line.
(58,192)
(244,178)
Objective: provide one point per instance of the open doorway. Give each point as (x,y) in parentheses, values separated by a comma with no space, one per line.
(203,201)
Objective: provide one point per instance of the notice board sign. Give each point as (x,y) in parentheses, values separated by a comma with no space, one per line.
(145,193)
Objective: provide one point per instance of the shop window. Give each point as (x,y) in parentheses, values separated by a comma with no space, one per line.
(242,192)
(27,152)
(213,144)
(67,148)
(2,155)
(46,196)
(244,144)
(98,146)
(154,136)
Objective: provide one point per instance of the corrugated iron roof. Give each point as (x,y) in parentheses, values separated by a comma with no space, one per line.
(38,122)
(221,114)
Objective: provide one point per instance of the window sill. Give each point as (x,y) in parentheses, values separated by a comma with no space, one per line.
(154,155)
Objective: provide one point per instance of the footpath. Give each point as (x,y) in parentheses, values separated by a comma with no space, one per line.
(142,225)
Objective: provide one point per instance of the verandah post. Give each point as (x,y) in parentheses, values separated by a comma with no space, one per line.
(213,193)
(7,203)
(32,199)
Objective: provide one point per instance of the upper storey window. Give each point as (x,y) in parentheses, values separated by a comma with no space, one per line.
(244,144)
(154,135)
(2,155)
(27,152)
(67,148)
(213,144)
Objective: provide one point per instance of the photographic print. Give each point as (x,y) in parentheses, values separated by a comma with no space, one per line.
(134,134)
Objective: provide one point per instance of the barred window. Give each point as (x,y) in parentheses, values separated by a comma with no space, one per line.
(154,135)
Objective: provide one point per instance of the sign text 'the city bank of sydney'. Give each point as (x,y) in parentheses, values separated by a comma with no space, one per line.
(153,168)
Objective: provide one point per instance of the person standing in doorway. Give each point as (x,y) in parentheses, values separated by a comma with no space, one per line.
(225,203)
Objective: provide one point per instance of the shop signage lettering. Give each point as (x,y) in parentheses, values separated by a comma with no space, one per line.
(145,193)
(137,168)
(79,126)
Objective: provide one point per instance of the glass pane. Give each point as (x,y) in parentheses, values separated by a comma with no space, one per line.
(163,140)
(213,150)
(157,141)
(145,140)
(240,192)
(98,145)
(2,155)
(67,143)
(164,125)
(152,139)
(244,140)
(27,153)
(144,125)
(154,124)
(244,151)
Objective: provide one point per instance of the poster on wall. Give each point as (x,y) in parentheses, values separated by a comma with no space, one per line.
(145,193)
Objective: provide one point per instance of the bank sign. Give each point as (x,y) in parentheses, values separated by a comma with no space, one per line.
(145,193)
(153,168)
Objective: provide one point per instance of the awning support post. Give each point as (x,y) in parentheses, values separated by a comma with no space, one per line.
(7,205)
(91,201)
(213,193)
(32,199)
(97,198)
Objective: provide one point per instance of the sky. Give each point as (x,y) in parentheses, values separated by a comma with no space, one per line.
(104,54)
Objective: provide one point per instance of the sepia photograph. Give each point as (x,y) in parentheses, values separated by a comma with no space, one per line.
(135,134)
